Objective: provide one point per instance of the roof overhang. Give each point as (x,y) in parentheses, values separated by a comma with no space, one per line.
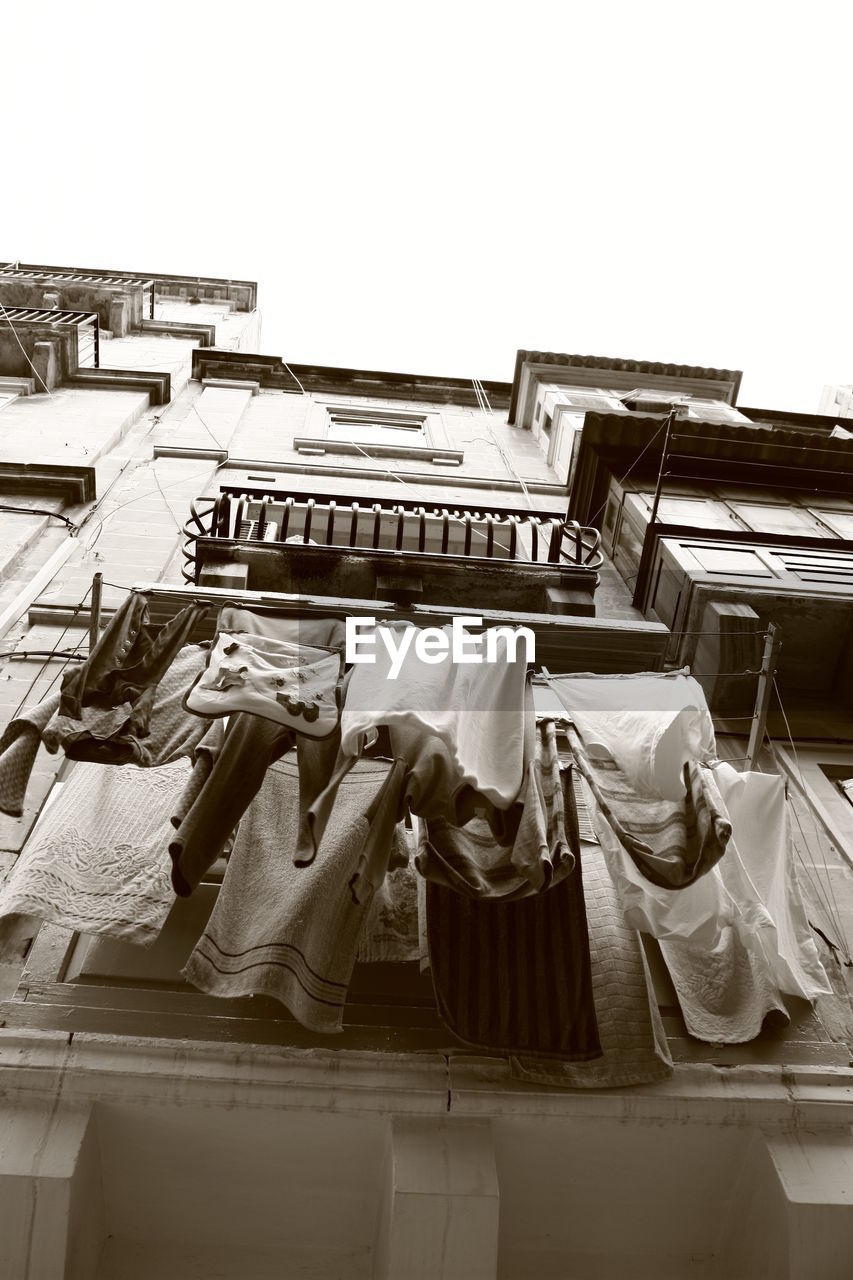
(533,367)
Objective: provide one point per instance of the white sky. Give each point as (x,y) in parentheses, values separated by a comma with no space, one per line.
(429,188)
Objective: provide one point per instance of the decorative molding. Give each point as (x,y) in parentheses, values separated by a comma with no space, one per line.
(73,484)
(157,385)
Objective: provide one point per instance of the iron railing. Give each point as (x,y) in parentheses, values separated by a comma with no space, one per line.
(527,537)
(86,323)
(147,286)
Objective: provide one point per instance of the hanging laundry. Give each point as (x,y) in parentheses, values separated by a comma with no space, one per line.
(476,709)
(203,758)
(515,976)
(725,992)
(391,931)
(283,931)
(130,658)
(96,860)
(650,724)
(697,913)
(18,750)
(461,737)
(205,820)
(630,1029)
(673,843)
(488,998)
(470,861)
(104,708)
(760,829)
(120,735)
(322,633)
(295,685)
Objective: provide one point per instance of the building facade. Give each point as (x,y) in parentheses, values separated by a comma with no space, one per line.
(636,518)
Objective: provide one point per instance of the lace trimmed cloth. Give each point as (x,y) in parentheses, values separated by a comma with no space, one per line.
(97,860)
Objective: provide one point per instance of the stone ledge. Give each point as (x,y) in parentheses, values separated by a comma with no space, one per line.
(108,1068)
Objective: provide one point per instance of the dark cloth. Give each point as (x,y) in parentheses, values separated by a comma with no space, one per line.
(153,730)
(129,660)
(515,976)
(673,843)
(120,735)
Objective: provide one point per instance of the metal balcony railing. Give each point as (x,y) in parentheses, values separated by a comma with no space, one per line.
(86,323)
(85,277)
(529,538)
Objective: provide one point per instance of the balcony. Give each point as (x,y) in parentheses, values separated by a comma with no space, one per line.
(398,552)
(86,323)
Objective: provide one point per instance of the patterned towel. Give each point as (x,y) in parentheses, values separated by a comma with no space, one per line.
(96,861)
(673,843)
(725,992)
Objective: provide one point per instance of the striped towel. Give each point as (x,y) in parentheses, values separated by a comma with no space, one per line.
(286,931)
(673,843)
(515,976)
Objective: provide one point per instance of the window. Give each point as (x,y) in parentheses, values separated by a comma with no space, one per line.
(766,517)
(696,512)
(841,522)
(378,431)
(729,560)
(376,426)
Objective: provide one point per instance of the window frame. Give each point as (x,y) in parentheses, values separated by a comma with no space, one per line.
(433,432)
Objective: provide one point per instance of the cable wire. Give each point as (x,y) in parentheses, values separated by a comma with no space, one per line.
(836,918)
(39,511)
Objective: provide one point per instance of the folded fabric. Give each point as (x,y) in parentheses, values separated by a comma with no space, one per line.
(476,708)
(118,735)
(761,832)
(515,976)
(651,725)
(96,860)
(470,861)
(295,685)
(131,656)
(672,843)
(631,1033)
(18,750)
(287,932)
